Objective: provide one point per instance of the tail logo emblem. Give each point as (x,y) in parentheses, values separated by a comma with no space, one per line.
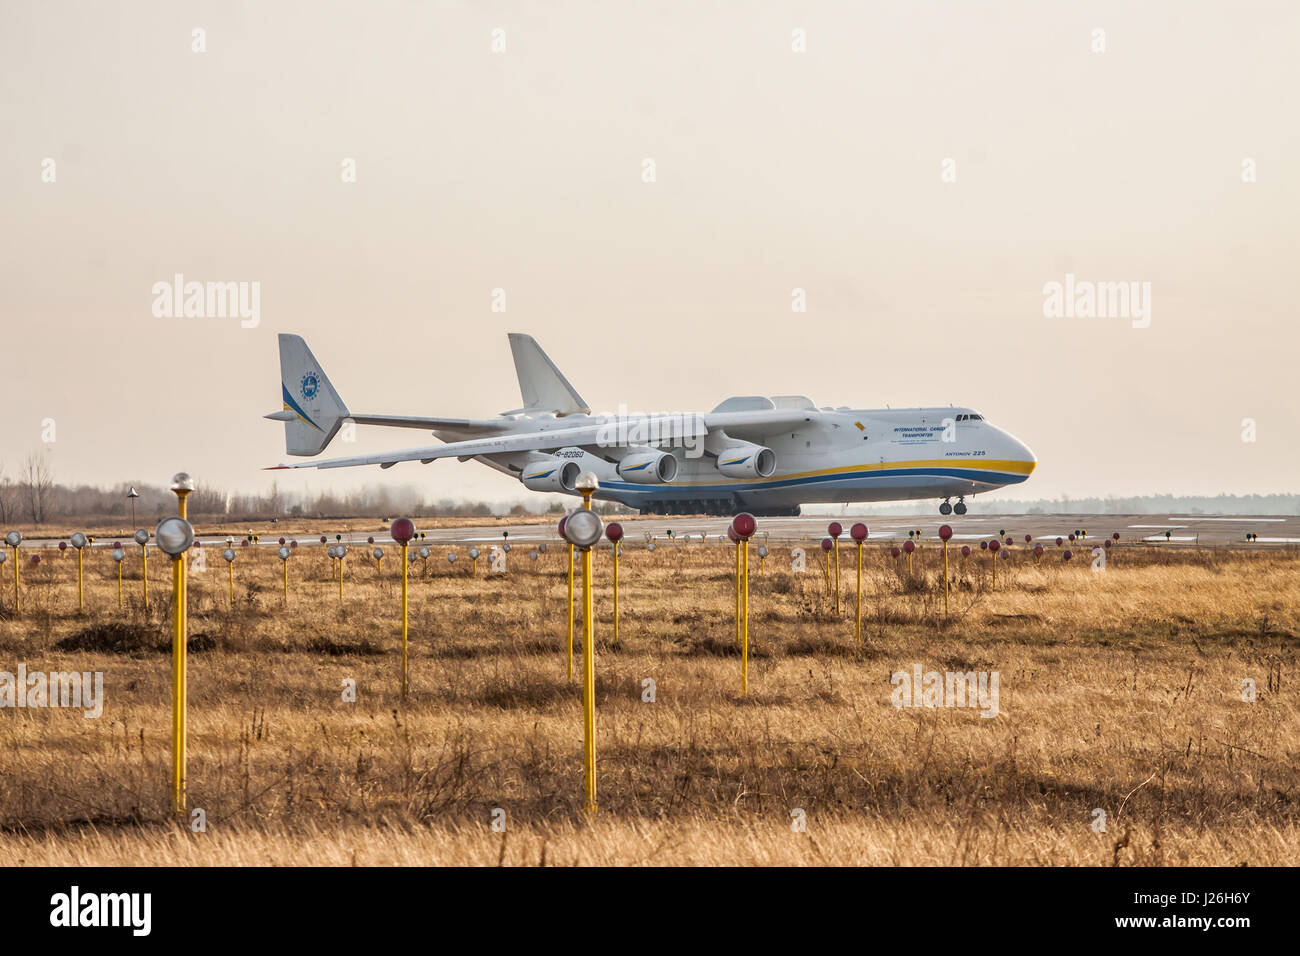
(310,386)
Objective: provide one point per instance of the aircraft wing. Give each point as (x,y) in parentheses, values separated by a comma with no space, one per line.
(545,440)
(759,423)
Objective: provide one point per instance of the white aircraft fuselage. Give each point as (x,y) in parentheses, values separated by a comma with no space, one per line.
(896,455)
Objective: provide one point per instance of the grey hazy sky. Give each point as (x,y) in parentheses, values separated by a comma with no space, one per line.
(775,170)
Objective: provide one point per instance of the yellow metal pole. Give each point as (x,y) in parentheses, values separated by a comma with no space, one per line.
(18,602)
(859,611)
(81,588)
(616,544)
(945,578)
(231,566)
(588,674)
(570,671)
(180,700)
(340,580)
(178,684)
(286,581)
(837,577)
(737,592)
(119,585)
(405,685)
(588,685)
(744,628)
(144,574)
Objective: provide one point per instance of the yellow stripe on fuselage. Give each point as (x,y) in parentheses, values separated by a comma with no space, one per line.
(1012,466)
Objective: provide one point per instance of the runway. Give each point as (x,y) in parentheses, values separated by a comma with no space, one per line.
(1212,531)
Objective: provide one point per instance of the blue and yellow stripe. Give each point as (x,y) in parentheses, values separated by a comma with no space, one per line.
(992,471)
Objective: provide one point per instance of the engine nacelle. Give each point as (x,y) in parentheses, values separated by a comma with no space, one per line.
(551,474)
(648,468)
(746,460)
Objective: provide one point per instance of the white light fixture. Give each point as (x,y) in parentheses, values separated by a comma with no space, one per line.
(583,529)
(174,535)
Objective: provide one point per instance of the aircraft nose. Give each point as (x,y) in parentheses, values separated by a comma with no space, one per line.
(1023,453)
(1019,452)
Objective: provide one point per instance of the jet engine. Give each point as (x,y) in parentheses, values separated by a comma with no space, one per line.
(746,460)
(648,468)
(550,474)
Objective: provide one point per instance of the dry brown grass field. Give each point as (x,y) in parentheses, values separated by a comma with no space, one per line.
(1120,691)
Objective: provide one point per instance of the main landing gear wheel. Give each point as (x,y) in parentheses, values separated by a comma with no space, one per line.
(960,508)
(946,509)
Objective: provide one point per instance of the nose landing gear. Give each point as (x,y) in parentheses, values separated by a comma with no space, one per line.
(958,508)
(945,508)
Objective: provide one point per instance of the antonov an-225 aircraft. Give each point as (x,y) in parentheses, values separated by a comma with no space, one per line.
(751,453)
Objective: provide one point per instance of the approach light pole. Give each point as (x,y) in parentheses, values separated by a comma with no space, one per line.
(583,529)
(402,531)
(13,539)
(743,527)
(79,542)
(945,532)
(615,534)
(835,529)
(859,534)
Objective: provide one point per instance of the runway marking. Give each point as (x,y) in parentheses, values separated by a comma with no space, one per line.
(1247,520)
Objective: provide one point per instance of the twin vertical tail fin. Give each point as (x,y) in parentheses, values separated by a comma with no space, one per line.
(313,411)
(542,386)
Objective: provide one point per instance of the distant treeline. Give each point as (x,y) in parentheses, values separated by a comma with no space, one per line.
(42,500)
(1141,504)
